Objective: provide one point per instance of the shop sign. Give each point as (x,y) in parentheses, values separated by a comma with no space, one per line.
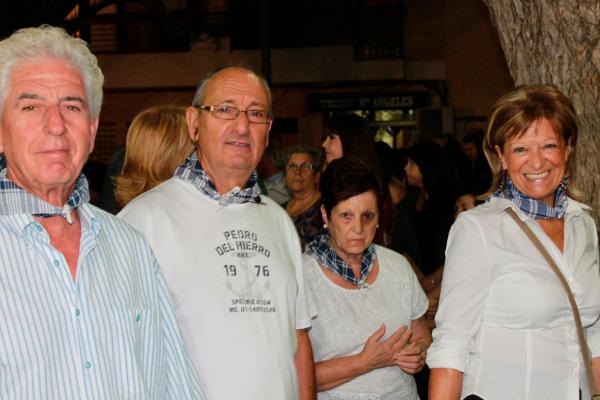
(367,101)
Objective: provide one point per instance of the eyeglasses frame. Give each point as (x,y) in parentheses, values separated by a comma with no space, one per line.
(211,110)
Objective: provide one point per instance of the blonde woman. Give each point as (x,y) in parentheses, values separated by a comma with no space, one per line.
(504,328)
(157,142)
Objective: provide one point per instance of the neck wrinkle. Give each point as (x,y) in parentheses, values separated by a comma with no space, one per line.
(56,195)
(224,183)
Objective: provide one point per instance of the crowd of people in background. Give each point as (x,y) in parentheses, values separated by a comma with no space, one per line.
(239,269)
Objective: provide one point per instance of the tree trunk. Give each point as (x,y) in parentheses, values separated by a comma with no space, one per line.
(557,41)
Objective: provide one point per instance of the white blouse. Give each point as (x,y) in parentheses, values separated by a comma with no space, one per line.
(347,317)
(504,320)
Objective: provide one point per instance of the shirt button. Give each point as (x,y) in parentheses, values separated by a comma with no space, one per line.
(77,312)
(56,263)
(137,317)
(88,364)
(39,228)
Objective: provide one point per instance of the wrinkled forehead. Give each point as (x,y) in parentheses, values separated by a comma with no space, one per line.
(47,72)
(237,86)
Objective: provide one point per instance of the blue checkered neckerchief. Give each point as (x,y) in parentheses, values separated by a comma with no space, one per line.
(535,209)
(321,251)
(15,200)
(191,171)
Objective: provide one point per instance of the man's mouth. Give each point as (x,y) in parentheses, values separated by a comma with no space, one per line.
(59,151)
(241,145)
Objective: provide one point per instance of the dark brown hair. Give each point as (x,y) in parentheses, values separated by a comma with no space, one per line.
(347,177)
(356,136)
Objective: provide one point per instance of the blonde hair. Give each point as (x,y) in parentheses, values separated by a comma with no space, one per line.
(157,142)
(519,109)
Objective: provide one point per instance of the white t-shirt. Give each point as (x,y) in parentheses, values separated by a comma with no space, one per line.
(504,319)
(235,276)
(346,318)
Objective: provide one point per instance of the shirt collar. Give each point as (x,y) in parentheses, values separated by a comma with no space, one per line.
(16,200)
(496,205)
(191,171)
(90,221)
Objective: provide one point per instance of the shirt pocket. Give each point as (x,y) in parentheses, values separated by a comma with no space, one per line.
(136,336)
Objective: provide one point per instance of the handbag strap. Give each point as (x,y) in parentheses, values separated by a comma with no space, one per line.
(580,335)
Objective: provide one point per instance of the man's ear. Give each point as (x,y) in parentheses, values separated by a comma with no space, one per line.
(191,118)
(501,156)
(93,132)
(268,133)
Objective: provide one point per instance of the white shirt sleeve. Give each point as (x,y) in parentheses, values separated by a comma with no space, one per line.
(465,286)
(593,331)
(419,301)
(305,307)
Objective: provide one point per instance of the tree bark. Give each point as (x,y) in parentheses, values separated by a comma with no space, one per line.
(558,42)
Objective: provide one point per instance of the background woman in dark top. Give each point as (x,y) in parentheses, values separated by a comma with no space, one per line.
(480,175)
(422,228)
(423,220)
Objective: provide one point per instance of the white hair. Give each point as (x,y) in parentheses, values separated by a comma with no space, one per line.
(48,41)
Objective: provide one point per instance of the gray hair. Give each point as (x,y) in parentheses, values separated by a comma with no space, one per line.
(200,94)
(315,154)
(48,41)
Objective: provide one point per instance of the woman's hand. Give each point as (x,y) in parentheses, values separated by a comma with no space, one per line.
(377,354)
(411,359)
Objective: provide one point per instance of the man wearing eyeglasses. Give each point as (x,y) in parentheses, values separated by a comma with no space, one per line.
(231,258)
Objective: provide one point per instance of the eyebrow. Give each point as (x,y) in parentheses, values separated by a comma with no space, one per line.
(252,104)
(74,98)
(33,96)
(28,96)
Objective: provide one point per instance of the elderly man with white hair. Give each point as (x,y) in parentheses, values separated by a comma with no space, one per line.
(84,311)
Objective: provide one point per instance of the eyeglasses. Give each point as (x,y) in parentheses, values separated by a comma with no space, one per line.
(293,167)
(227,112)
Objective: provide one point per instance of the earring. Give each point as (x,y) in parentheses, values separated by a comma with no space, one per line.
(502,184)
(564,184)
(377,227)
(324,226)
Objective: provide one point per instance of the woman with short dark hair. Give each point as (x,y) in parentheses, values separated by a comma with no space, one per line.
(369,336)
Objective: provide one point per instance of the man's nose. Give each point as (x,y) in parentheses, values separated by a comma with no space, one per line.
(55,121)
(242,123)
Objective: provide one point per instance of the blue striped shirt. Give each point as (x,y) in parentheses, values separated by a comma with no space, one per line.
(111,334)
